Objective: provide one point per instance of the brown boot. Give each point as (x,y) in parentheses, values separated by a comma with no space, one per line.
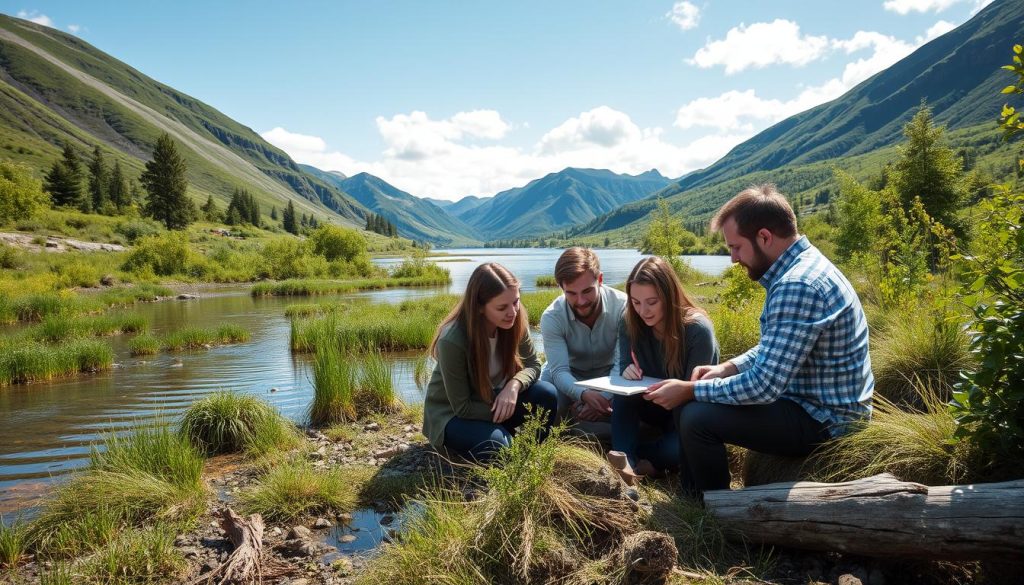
(620,463)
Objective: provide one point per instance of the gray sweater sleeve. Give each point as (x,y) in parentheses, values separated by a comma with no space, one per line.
(701,345)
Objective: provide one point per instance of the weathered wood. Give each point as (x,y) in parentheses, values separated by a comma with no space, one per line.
(247,562)
(879,516)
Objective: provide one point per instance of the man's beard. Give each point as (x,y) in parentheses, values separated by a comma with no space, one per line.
(761,262)
(594,306)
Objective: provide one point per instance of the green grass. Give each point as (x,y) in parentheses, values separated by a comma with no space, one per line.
(137,556)
(423,368)
(546,280)
(151,475)
(59,328)
(362,327)
(57,574)
(737,330)
(189,338)
(23,362)
(919,348)
(13,543)
(144,344)
(335,385)
(323,287)
(296,490)
(377,391)
(226,422)
(913,446)
(535,303)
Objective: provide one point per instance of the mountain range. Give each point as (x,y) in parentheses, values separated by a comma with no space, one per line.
(57,89)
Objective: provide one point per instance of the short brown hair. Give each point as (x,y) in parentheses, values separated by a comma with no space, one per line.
(574,262)
(755,208)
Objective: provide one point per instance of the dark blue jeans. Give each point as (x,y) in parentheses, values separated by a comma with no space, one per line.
(627,414)
(480,440)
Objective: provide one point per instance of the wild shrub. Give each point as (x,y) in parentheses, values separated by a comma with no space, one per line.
(164,255)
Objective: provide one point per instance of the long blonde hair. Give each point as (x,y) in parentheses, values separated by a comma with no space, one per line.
(487,281)
(679,310)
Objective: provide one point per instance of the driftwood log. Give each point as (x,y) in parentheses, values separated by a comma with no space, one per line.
(247,563)
(879,516)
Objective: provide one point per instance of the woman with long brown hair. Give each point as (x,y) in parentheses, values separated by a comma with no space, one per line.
(665,336)
(487,369)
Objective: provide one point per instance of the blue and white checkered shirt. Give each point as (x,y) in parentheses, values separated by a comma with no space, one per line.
(813,348)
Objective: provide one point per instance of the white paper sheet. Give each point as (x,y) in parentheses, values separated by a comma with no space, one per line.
(618,384)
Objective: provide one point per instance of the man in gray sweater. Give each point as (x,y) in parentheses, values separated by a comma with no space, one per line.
(580,331)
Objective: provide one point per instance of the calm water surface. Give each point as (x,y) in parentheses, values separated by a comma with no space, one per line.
(46,429)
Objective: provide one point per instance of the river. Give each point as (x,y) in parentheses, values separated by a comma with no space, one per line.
(46,429)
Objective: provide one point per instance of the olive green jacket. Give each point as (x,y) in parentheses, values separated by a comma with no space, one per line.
(450,392)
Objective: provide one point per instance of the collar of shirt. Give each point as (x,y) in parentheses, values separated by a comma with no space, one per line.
(785,261)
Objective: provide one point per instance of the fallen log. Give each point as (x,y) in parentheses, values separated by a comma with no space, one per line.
(879,516)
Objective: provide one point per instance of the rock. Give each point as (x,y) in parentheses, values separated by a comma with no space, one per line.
(298,548)
(391,452)
(372,427)
(300,533)
(276,531)
(210,565)
(344,517)
(848,579)
(322,523)
(300,581)
(186,297)
(189,552)
(347,538)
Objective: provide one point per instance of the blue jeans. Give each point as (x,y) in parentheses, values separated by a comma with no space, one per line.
(480,440)
(627,414)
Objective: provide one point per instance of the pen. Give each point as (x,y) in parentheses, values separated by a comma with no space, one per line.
(636,364)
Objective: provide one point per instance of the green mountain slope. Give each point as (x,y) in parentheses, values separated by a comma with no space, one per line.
(415,218)
(55,88)
(558,200)
(958,75)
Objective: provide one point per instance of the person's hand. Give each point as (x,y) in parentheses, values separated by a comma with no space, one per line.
(505,402)
(587,413)
(670,393)
(723,370)
(632,372)
(596,402)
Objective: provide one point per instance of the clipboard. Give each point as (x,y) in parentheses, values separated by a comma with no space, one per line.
(618,384)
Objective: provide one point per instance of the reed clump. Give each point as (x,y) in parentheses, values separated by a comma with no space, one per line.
(228,422)
(30,361)
(144,344)
(360,327)
(325,287)
(190,338)
(347,387)
(546,281)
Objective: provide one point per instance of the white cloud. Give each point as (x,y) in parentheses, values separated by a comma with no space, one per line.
(937,30)
(907,6)
(441,158)
(685,15)
(978,5)
(759,45)
(36,17)
(74,28)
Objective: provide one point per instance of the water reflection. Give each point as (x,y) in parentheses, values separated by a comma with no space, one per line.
(46,428)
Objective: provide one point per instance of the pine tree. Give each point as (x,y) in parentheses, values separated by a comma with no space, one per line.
(290,225)
(164,180)
(210,211)
(117,188)
(64,181)
(305,220)
(99,182)
(273,213)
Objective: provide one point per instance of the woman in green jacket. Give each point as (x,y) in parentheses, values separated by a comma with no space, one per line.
(487,369)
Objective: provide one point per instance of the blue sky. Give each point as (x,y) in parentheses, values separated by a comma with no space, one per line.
(446,99)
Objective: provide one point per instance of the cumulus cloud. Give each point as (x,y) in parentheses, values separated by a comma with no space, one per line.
(444,158)
(760,45)
(908,6)
(74,28)
(36,17)
(684,14)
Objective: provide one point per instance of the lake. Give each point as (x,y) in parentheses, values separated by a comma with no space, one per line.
(46,429)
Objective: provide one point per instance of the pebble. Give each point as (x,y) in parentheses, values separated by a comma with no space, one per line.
(276,531)
(273,389)
(848,579)
(322,523)
(346,538)
(300,533)
(372,427)
(344,517)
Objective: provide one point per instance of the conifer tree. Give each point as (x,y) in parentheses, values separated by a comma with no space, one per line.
(305,220)
(117,188)
(164,181)
(210,211)
(273,213)
(64,180)
(290,225)
(99,182)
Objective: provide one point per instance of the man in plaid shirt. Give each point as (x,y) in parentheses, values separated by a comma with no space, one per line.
(807,379)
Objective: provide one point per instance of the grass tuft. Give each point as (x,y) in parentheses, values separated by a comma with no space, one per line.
(296,490)
(226,422)
(547,281)
(144,344)
(13,543)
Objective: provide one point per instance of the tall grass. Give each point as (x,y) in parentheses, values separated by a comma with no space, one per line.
(60,328)
(324,287)
(295,490)
(13,543)
(189,338)
(921,348)
(535,302)
(378,326)
(422,370)
(376,386)
(226,422)
(150,475)
(137,556)
(335,385)
(913,446)
(22,362)
(737,329)
(546,281)
(144,344)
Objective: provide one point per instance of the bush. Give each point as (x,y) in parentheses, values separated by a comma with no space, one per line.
(135,229)
(225,422)
(21,194)
(164,255)
(337,243)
